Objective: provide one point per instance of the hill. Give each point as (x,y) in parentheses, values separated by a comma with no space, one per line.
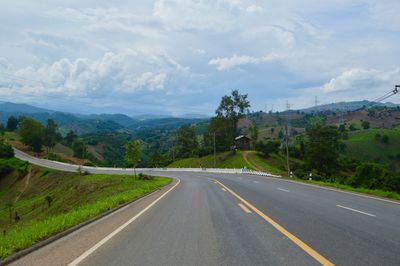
(37,196)
(346,106)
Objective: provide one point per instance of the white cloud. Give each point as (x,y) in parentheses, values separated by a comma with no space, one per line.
(226,63)
(361,81)
(254,9)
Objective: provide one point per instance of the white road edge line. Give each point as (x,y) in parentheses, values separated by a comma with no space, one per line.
(354,210)
(282,189)
(119,229)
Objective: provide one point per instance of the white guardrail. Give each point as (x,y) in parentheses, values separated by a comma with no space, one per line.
(66,166)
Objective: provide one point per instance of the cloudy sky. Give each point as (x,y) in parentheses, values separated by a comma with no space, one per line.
(180,56)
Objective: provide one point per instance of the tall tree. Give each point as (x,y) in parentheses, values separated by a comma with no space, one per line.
(322,148)
(133,151)
(218,130)
(50,135)
(12,123)
(31,132)
(79,148)
(233,107)
(186,142)
(70,137)
(157,159)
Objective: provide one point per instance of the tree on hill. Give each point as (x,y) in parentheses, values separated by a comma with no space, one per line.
(186,142)
(12,123)
(321,149)
(2,131)
(253,133)
(31,132)
(79,148)
(133,151)
(365,125)
(219,129)
(70,137)
(266,148)
(232,108)
(157,159)
(50,135)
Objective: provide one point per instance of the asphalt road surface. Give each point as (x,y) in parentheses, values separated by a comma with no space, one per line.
(233,219)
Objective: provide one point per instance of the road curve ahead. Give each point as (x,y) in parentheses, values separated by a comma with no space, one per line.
(228,219)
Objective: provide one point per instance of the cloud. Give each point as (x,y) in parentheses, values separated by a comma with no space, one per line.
(254,9)
(362,81)
(226,63)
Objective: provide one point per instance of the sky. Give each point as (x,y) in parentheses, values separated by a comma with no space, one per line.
(176,57)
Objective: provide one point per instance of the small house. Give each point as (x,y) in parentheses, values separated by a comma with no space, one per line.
(242,143)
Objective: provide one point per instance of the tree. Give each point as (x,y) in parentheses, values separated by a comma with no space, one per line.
(70,137)
(385,139)
(50,135)
(253,133)
(31,132)
(352,127)
(133,150)
(365,124)
(12,123)
(233,108)
(186,142)
(266,148)
(342,128)
(79,148)
(369,175)
(220,129)
(322,149)
(2,131)
(6,151)
(157,159)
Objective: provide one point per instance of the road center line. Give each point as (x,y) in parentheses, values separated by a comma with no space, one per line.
(244,208)
(256,182)
(119,229)
(354,210)
(282,189)
(223,189)
(306,248)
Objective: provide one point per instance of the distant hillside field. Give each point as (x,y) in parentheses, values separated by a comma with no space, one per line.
(363,145)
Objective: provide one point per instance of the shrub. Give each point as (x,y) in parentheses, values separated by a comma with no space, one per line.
(370,175)
(6,151)
(266,148)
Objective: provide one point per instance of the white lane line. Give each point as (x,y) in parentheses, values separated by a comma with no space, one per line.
(354,210)
(256,182)
(282,189)
(119,229)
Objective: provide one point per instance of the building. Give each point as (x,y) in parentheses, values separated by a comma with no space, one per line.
(242,142)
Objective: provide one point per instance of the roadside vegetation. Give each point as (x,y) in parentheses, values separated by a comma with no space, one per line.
(36,203)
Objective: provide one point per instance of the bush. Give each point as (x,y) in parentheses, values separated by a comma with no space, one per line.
(265,148)
(370,175)
(142,176)
(6,151)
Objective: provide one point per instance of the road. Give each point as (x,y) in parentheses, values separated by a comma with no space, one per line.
(231,219)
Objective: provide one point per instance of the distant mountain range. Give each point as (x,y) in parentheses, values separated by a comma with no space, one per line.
(94,123)
(346,106)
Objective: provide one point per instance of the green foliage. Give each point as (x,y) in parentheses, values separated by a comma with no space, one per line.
(12,123)
(79,148)
(50,135)
(31,132)
(157,159)
(133,150)
(233,107)
(385,139)
(6,151)
(253,132)
(365,125)
(221,129)
(186,144)
(322,149)
(352,127)
(70,137)
(266,148)
(369,175)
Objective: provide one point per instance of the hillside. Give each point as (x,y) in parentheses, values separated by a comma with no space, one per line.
(48,201)
(367,145)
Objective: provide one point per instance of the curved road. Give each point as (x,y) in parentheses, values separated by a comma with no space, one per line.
(232,219)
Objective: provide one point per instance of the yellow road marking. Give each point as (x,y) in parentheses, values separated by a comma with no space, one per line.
(223,189)
(306,248)
(244,208)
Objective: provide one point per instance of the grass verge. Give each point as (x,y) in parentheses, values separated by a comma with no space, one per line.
(75,199)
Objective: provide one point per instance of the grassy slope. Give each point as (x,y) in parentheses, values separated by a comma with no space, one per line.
(75,199)
(363,146)
(224,160)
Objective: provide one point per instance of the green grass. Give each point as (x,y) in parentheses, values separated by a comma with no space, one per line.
(75,199)
(223,160)
(268,165)
(363,146)
(373,192)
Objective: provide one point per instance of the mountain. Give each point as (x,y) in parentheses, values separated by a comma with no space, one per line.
(346,106)
(22,108)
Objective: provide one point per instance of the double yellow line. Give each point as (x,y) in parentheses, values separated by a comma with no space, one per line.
(310,251)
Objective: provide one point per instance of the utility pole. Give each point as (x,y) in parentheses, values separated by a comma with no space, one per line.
(287,139)
(215,152)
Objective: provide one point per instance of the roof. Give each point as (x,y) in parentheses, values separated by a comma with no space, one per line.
(242,137)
